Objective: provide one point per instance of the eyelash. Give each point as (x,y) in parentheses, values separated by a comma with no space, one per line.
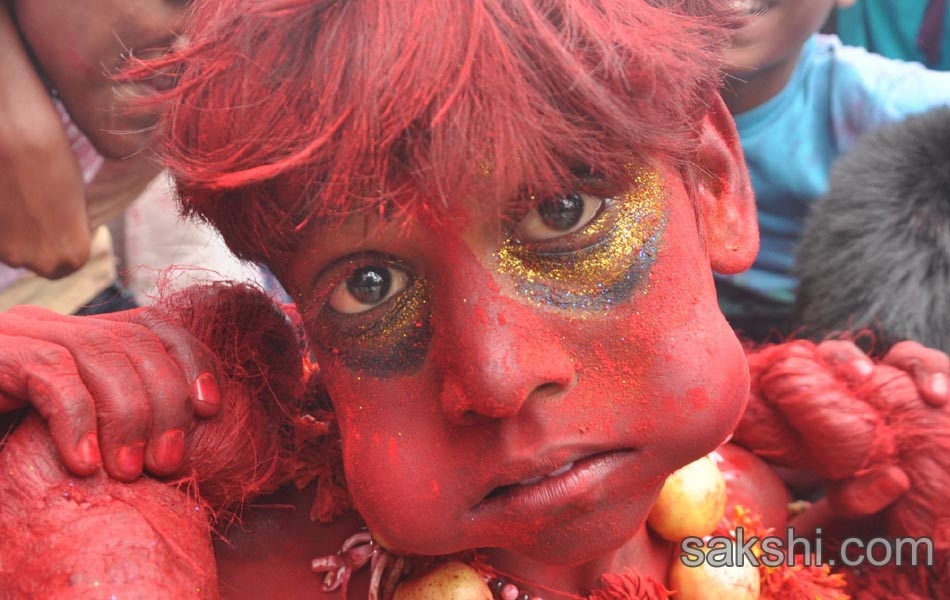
(337,274)
(585,237)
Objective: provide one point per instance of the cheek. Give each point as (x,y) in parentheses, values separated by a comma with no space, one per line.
(673,367)
(401,460)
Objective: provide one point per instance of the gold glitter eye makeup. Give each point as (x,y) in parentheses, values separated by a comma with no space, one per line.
(375,317)
(603,248)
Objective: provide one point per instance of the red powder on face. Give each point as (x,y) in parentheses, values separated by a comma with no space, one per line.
(697,398)
(392,453)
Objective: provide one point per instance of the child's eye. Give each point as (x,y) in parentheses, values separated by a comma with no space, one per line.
(556,217)
(367,288)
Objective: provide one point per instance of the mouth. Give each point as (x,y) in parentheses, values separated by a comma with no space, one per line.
(575,481)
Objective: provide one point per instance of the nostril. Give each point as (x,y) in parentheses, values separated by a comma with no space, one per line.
(548,389)
(553,387)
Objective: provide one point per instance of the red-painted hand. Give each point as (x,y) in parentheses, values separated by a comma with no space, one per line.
(119,390)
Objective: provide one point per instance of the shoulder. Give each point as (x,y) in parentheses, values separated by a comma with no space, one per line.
(883,77)
(867,90)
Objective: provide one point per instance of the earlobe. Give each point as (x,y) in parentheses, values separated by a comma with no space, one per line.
(725,195)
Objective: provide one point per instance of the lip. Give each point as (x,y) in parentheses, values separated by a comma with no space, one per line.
(555,490)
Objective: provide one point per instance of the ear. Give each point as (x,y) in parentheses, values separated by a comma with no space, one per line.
(724,192)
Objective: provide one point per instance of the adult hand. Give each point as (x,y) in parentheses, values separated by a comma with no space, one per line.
(120,389)
(43,222)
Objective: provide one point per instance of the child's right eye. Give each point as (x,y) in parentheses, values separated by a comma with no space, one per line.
(367,288)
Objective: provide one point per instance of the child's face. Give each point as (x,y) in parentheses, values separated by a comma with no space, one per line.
(776,32)
(80,44)
(524,381)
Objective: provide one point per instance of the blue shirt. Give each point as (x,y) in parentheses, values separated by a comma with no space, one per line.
(890,27)
(835,94)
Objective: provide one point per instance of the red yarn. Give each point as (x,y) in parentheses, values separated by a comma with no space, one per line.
(630,585)
(243,452)
(878,432)
(66,537)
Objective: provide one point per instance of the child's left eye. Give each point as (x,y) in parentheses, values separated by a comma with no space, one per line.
(557,217)
(367,288)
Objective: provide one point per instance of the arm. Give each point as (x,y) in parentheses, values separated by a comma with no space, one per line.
(43,222)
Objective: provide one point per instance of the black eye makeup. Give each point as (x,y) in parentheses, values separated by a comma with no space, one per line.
(374,314)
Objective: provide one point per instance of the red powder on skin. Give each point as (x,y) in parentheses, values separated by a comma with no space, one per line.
(697,398)
(78,63)
(94,536)
(392,453)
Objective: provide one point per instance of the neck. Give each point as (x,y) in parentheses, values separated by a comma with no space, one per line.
(647,553)
(750,89)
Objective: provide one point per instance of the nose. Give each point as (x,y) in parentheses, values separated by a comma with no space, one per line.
(496,352)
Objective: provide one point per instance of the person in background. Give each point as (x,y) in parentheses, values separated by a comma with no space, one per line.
(74,140)
(913,30)
(800,100)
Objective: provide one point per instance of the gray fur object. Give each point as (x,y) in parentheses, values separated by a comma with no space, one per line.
(875,252)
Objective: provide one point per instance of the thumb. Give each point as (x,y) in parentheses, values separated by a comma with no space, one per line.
(869,493)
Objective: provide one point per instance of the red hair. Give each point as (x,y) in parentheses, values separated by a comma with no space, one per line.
(288,111)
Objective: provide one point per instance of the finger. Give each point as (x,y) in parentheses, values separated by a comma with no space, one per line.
(46,375)
(930,369)
(170,406)
(9,403)
(196,361)
(869,493)
(847,360)
(121,402)
(165,389)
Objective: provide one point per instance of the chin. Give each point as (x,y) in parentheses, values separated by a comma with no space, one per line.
(591,537)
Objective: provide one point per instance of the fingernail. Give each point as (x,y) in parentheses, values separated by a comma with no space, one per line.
(129,458)
(863,366)
(205,390)
(88,450)
(939,384)
(170,448)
